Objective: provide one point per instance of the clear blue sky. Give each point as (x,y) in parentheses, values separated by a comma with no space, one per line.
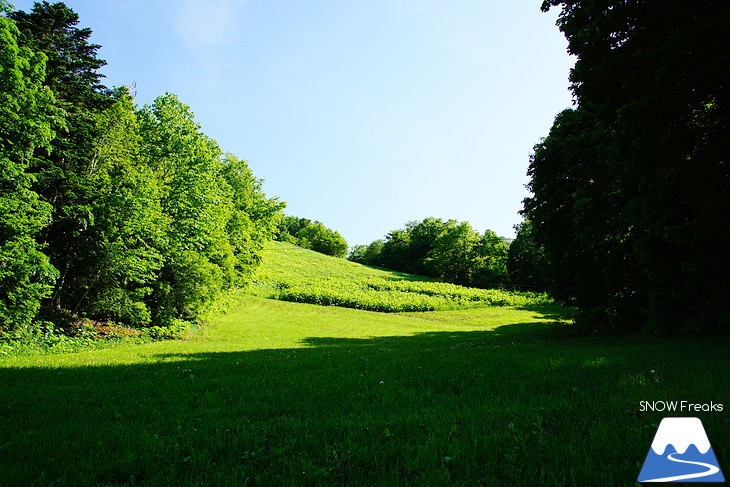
(364,114)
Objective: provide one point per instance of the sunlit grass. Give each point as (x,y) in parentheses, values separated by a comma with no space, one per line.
(279,393)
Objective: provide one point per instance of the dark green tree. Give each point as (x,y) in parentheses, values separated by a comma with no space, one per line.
(72,67)
(62,175)
(635,176)
(396,251)
(489,266)
(423,238)
(526,261)
(454,254)
(451,250)
(368,254)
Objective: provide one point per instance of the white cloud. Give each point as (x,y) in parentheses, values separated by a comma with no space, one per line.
(203,24)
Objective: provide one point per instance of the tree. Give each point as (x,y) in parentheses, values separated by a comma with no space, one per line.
(27,118)
(253,217)
(311,235)
(450,250)
(199,260)
(368,254)
(120,253)
(635,176)
(526,261)
(396,251)
(288,227)
(455,252)
(62,173)
(321,239)
(72,67)
(489,265)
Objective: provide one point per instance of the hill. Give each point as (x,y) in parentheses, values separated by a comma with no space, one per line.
(284,261)
(290,273)
(284,393)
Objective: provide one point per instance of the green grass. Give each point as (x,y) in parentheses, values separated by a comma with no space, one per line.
(281,393)
(283,262)
(294,274)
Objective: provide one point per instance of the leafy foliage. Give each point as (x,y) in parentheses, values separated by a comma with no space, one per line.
(400,296)
(526,262)
(109,211)
(629,187)
(449,250)
(311,235)
(27,110)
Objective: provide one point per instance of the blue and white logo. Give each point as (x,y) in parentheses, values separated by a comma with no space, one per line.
(681,452)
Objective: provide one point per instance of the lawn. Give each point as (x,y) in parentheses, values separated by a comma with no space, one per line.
(282,393)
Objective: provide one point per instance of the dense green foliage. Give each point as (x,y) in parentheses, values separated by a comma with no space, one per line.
(630,187)
(110,211)
(311,235)
(26,123)
(526,262)
(399,296)
(449,250)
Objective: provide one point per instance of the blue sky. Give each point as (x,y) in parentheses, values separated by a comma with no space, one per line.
(363,115)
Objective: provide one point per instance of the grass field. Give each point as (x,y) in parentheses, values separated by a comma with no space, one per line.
(282,393)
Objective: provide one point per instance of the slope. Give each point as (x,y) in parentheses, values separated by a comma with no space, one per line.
(293,274)
(281,393)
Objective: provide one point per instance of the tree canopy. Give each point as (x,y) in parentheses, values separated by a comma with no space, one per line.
(630,187)
(109,211)
(312,235)
(450,250)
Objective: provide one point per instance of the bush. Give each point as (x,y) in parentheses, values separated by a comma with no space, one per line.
(400,295)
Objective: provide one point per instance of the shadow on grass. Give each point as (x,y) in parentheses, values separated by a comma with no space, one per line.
(503,335)
(520,405)
(554,312)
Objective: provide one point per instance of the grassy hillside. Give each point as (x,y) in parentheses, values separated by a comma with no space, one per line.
(293,274)
(284,261)
(282,393)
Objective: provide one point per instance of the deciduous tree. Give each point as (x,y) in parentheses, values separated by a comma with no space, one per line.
(27,119)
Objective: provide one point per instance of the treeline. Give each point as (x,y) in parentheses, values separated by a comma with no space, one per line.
(108,210)
(450,250)
(631,186)
(312,235)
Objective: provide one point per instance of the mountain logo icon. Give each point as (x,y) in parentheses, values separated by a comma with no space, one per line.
(681,452)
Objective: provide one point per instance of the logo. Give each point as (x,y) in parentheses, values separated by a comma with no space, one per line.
(680,452)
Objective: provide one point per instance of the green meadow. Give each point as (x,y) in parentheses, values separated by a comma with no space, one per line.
(276,392)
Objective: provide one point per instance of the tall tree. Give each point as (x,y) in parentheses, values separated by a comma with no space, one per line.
(636,175)
(62,175)
(27,118)
(120,253)
(199,260)
(72,67)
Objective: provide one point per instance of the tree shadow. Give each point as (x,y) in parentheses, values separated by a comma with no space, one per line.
(507,334)
(381,410)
